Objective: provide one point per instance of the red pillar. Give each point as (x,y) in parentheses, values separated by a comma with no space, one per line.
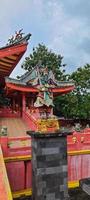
(23,104)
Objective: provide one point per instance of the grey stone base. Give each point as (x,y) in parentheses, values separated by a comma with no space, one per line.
(49,163)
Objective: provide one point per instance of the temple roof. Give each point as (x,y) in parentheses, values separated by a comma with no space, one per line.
(35,81)
(61,84)
(11,54)
(40,78)
(64,89)
(35,76)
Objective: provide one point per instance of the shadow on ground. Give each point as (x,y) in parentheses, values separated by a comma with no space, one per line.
(75,194)
(78,194)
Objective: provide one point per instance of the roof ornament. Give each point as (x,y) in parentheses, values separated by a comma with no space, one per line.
(11,40)
(19,35)
(16,38)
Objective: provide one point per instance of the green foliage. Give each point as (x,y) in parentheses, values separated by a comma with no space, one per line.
(82,79)
(73,105)
(77,103)
(4,101)
(46,57)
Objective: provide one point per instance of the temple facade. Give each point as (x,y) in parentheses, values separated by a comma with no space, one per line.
(32,95)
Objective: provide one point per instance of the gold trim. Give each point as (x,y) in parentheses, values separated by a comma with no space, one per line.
(27,192)
(17,158)
(80,152)
(73,184)
(28,157)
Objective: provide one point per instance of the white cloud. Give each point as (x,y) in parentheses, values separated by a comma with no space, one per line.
(57,23)
(67,34)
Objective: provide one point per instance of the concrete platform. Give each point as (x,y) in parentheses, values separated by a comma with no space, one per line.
(16,126)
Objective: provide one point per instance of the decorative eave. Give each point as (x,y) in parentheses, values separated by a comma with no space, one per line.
(62,90)
(21,88)
(10,56)
(25,88)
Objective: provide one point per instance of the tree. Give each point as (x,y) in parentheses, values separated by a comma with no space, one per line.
(82,79)
(46,57)
(4,101)
(77,103)
(82,91)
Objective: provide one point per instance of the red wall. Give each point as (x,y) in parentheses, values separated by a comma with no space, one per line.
(20,175)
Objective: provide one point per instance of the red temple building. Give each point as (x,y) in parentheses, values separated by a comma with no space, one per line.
(32,97)
(27,104)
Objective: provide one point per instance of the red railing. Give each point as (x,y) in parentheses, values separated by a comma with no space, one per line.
(17,155)
(30,121)
(7,112)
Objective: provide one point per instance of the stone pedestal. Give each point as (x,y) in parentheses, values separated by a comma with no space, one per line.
(49,165)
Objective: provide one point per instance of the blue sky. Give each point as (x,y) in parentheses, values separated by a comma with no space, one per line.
(62,25)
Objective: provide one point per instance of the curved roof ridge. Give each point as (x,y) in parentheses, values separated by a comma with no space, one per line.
(20,41)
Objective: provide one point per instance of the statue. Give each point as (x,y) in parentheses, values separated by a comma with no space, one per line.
(78,127)
(44,96)
(18,35)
